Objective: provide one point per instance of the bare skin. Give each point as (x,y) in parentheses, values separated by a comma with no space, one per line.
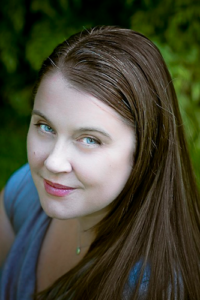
(58,251)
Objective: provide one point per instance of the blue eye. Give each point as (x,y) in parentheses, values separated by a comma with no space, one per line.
(46,128)
(90,141)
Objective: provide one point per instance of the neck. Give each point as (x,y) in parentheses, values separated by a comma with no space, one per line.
(88,223)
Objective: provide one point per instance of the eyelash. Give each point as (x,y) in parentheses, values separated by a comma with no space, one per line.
(38,125)
(97,142)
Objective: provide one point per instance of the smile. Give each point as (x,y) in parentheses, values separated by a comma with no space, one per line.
(56,189)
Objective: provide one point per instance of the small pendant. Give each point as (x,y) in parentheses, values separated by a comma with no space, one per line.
(78,250)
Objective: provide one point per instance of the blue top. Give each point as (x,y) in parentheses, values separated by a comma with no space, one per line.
(29,221)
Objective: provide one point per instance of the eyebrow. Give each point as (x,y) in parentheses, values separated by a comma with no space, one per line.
(81,129)
(38,113)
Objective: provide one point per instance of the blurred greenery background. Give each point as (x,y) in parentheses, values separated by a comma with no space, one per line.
(30,29)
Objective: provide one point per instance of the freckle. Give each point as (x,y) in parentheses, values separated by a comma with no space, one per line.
(34,152)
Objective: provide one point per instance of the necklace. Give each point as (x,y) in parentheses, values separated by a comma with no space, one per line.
(79,246)
(78,250)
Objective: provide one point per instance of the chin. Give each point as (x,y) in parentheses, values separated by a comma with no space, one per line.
(53,211)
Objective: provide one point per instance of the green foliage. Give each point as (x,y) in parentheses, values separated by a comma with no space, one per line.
(13,142)
(31,29)
(174,27)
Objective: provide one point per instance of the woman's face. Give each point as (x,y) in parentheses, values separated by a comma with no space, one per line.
(80,151)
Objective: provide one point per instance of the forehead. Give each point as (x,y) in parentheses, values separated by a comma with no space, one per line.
(55,91)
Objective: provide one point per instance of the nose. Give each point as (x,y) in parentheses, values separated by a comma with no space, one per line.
(58,160)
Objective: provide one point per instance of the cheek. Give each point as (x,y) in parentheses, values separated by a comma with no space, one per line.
(117,177)
(108,174)
(117,173)
(35,152)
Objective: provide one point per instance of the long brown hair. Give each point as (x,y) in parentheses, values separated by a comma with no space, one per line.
(148,246)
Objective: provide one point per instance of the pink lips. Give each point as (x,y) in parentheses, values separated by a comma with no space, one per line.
(56,189)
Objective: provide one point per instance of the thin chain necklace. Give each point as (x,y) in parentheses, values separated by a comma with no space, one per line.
(79,246)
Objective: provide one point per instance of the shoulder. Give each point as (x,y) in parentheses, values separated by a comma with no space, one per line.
(20,197)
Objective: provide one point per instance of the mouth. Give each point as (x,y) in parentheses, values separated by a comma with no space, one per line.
(56,189)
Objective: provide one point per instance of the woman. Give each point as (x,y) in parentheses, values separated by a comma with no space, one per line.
(108,157)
